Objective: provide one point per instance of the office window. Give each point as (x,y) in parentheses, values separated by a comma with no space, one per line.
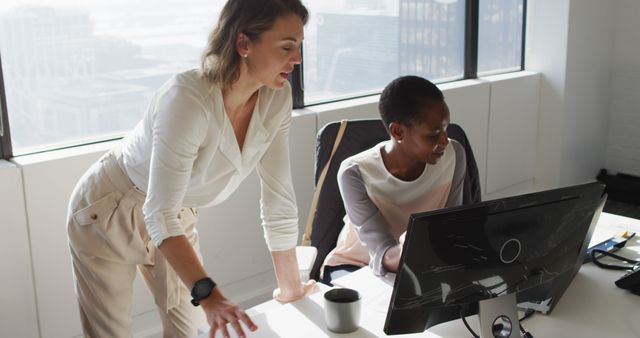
(77,72)
(80,71)
(500,36)
(355,48)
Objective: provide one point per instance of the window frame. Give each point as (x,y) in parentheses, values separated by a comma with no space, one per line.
(6,151)
(472,13)
(297,83)
(524,34)
(472,27)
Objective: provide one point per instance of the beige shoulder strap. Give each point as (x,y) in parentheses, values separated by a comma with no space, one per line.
(306,238)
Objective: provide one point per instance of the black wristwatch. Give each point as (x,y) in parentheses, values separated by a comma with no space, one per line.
(201,290)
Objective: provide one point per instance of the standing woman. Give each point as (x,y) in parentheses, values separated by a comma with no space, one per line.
(205,130)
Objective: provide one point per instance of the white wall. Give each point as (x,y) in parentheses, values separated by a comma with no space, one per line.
(569,42)
(546,52)
(17,298)
(588,89)
(623,147)
(512,134)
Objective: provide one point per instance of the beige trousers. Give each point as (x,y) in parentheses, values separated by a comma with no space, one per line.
(108,242)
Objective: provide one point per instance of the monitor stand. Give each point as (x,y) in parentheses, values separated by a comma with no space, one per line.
(499,317)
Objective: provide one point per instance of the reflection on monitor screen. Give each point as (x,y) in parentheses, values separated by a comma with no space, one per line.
(528,246)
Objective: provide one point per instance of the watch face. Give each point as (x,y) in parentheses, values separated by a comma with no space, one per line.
(202,288)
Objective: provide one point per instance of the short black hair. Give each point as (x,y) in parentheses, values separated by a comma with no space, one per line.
(405,98)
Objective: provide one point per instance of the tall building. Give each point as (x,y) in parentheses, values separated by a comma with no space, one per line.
(500,35)
(41,44)
(355,52)
(431,41)
(56,77)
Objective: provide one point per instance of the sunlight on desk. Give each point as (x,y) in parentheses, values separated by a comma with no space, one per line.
(304,318)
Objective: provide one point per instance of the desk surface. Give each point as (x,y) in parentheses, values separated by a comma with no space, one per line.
(592,306)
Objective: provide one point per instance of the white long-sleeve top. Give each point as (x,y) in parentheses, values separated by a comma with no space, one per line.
(184,153)
(378,205)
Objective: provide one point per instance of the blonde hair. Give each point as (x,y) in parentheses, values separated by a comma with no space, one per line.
(219,62)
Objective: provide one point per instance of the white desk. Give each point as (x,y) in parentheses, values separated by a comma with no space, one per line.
(592,306)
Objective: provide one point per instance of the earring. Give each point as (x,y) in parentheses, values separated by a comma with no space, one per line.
(399,141)
(245,55)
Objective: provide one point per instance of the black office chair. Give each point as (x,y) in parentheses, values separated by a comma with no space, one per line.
(361,135)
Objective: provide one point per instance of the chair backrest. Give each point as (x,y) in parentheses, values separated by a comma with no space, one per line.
(361,135)
(471,192)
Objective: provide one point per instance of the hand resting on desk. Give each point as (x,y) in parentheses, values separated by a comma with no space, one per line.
(308,288)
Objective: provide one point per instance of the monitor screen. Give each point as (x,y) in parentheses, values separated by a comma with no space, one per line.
(531,245)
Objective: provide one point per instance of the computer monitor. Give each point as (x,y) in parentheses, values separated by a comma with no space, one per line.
(526,247)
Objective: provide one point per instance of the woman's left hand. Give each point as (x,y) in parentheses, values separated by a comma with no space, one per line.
(286,296)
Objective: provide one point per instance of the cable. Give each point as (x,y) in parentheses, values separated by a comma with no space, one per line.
(618,257)
(464,320)
(463,313)
(611,266)
(528,313)
(522,329)
(525,334)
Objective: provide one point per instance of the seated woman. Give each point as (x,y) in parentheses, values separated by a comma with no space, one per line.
(418,169)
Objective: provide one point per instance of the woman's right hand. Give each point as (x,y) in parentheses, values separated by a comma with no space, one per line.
(221,312)
(391,258)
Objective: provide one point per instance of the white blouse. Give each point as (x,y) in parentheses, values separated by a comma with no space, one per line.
(184,153)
